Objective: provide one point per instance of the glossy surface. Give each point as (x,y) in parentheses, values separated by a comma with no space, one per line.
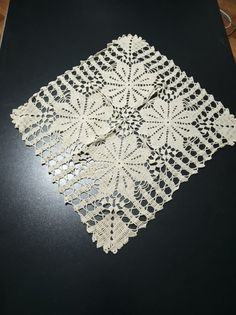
(185,259)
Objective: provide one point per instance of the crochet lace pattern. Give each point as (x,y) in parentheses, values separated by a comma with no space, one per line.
(120,132)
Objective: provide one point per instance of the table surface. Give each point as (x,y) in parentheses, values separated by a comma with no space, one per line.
(185,259)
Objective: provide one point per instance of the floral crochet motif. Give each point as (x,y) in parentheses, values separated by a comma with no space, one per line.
(128,85)
(120,132)
(80,118)
(167,122)
(118,164)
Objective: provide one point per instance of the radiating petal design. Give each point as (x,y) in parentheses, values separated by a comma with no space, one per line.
(128,85)
(167,123)
(82,119)
(118,164)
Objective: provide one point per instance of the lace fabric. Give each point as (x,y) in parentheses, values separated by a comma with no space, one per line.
(120,132)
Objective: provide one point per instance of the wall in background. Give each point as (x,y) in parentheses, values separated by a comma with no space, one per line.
(229,6)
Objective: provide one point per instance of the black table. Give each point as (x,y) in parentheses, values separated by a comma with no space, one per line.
(185,260)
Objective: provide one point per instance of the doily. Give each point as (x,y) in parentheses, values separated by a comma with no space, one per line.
(120,132)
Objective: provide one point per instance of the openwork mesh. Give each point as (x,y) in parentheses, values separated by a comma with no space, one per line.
(120,132)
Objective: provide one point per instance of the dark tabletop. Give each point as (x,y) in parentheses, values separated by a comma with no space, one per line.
(185,260)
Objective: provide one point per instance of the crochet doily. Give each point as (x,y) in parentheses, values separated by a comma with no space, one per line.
(120,132)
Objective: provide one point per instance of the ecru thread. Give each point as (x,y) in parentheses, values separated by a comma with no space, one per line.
(120,132)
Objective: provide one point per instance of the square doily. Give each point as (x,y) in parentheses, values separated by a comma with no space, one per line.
(120,132)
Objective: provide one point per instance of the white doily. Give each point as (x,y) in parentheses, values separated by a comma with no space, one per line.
(120,132)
